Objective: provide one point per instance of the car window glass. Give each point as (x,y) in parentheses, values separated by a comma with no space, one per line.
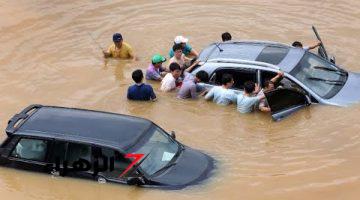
(30,149)
(309,70)
(119,165)
(240,77)
(58,151)
(281,99)
(75,152)
(272,55)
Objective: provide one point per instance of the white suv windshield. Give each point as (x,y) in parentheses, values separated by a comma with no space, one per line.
(320,76)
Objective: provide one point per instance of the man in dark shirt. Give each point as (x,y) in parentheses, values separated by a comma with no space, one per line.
(140,91)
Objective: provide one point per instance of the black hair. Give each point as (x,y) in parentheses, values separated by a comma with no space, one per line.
(137,76)
(203,76)
(226,78)
(226,36)
(297,44)
(249,87)
(174,66)
(267,83)
(177,47)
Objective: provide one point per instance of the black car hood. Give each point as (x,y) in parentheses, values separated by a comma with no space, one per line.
(191,167)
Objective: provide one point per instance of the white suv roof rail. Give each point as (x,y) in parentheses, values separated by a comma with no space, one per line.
(239,61)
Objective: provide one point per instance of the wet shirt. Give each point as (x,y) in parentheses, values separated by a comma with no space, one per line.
(141,92)
(262,102)
(246,104)
(168,83)
(221,95)
(125,52)
(180,61)
(152,73)
(188,88)
(186,51)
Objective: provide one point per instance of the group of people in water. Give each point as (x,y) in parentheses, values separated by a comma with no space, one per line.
(175,75)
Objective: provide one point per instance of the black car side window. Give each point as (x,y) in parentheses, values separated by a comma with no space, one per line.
(30,149)
(75,152)
(116,162)
(240,76)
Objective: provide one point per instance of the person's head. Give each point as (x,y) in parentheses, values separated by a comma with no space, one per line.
(269,85)
(175,70)
(178,50)
(201,76)
(297,44)
(157,60)
(227,80)
(249,87)
(117,39)
(137,76)
(226,36)
(181,40)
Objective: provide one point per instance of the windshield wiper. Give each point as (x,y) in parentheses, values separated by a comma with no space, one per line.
(340,72)
(182,148)
(166,167)
(331,82)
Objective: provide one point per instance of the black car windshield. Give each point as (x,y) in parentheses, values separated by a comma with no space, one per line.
(320,76)
(159,150)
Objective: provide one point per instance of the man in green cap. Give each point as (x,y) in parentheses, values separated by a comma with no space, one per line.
(155,71)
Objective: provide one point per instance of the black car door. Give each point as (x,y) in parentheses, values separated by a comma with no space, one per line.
(285,101)
(30,154)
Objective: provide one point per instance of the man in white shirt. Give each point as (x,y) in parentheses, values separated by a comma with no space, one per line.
(169,81)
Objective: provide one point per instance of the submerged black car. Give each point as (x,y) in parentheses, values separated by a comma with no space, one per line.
(101,146)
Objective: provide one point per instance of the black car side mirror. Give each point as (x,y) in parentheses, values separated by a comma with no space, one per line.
(135,181)
(173,136)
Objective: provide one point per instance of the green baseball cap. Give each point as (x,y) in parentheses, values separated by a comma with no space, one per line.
(157,58)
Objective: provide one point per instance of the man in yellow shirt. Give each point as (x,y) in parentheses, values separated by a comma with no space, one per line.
(119,49)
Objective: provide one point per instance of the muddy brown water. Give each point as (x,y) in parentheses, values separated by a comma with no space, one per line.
(47,57)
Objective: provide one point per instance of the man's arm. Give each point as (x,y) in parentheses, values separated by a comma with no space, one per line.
(210,94)
(277,77)
(192,66)
(194,53)
(315,45)
(152,94)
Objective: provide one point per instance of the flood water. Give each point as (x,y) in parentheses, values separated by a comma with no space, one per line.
(47,57)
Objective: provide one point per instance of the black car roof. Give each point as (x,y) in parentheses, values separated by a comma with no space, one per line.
(110,129)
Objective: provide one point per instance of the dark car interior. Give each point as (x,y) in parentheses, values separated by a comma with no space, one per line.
(240,77)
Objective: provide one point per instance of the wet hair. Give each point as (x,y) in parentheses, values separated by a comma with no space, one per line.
(249,87)
(297,44)
(226,36)
(137,76)
(174,66)
(203,76)
(177,47)
(267,83)
(226,78)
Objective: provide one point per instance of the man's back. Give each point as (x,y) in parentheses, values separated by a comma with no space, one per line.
(221,95)
(246,104)
(141,92)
